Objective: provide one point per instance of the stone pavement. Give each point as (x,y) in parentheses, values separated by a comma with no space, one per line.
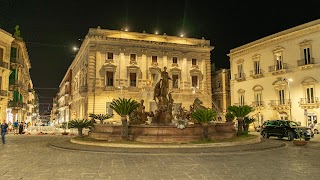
(54,157)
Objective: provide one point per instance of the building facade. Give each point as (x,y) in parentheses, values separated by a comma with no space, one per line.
(221,91)
(64,99)
(112,64)
(22,105)
(279,75)
(5,46)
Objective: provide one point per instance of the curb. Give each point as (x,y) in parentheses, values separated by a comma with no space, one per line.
(257,139)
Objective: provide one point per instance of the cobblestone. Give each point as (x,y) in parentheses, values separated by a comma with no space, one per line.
(31,157)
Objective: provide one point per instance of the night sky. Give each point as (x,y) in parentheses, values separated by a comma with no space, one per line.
(51,28)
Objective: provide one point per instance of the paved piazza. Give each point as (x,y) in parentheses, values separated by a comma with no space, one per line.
(31,157)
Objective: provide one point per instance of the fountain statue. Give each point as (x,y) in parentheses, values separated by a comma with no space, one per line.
(163,98)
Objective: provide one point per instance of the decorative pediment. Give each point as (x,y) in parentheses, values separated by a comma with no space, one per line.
(109,67)
(305,42)
(277,49)
(154,70)
(257,88)
(241,91)
(256,56)
(280,82)
(309,81)
(195,72)
(175,70)
(133,68)
(240,61)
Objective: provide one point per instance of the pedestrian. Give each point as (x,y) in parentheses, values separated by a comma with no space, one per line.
(4,128)
(21,128)
(15,127)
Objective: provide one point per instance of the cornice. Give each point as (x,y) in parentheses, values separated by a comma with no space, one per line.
(298,31)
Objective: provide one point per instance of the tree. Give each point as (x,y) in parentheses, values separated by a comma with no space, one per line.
(204,116)
(240,112)
(124,107)
(101,117)
(80,124)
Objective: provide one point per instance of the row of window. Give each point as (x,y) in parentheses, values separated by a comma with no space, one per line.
(154,59)
(154,79)
(279,64)
(281,97)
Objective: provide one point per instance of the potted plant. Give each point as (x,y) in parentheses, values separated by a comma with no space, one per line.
(101,117)
(64,126)
(80,124)
(204,116)
(124,107)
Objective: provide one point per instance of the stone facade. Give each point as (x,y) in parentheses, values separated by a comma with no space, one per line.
(112,64)
(221,92)
(5,45)
(279,75)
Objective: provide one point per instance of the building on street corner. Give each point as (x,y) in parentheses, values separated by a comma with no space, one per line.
(112,64)
(279,75)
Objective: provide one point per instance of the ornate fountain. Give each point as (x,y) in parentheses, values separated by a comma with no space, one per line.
(164,127)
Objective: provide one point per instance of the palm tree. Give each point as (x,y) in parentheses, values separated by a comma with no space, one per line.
(124,107)
(80,124)
(240,112)
(204,116)
(101,117)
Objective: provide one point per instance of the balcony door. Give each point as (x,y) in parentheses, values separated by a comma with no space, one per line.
(307,56)
(281,97)
(310,95)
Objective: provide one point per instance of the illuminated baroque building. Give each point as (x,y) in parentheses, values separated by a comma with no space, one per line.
(5,45)
(112,64)
(23,104)
(220,91)
(279,75)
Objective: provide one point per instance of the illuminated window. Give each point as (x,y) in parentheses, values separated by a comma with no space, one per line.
(175,80)
(133,57)
(109,78)
(194,62)
(110,55)
(154,59)
(133,79)
(194,81)
(175,60)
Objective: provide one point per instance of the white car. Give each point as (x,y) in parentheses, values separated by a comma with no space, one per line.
(316,128)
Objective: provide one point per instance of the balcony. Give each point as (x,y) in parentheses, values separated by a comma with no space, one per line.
(280,104)
(15,63)
(14,84)
(4,64)
(3,93)
(309,103)
(17,105)
(278,69)
(240,77)
(258,105)
(83,90)
(257,73)
(306,64)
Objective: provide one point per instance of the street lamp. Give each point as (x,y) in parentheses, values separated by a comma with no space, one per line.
(288,82)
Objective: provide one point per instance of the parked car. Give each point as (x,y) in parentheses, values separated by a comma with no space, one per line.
(284,128)
(316,128)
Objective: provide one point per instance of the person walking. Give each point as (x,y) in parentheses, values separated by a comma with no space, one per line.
(21,128)
(15,127)
(4,128)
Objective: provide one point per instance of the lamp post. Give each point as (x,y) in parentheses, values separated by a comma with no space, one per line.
(288,82)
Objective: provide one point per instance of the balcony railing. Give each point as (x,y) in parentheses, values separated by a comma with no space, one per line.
(306,101)
(4,64)
(258,103)
(3,93)
(305,62)
(17,104)
(256,73)
(83,89)
(284,102)
(278,67)
(240,77)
